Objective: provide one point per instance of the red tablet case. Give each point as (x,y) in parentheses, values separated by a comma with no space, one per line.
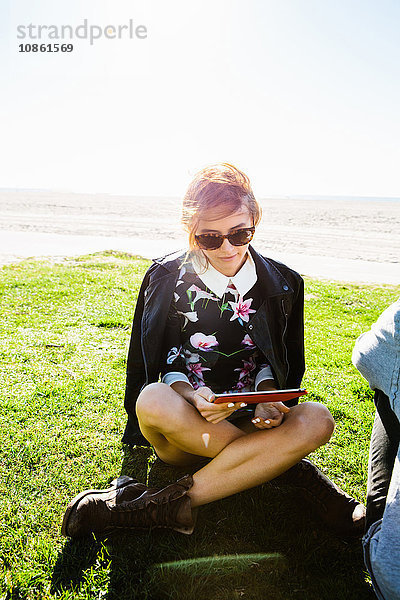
(258,397)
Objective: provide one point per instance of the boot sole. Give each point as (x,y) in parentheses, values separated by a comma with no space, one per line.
(117,484)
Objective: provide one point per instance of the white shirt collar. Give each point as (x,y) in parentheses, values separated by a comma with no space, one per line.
(243,281)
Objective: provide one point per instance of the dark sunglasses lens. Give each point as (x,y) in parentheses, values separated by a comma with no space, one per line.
(209,242)
(241,237)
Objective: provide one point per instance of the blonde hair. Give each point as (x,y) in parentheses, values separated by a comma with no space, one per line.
(220,186)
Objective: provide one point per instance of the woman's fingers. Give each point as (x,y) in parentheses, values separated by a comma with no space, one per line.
(223,407)
(213,416)
(267,422)
(205,393)
(208,395)
(236,405)
(218,412)
(214,412)
(262,423)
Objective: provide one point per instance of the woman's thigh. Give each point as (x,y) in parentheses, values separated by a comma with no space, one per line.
(176,430)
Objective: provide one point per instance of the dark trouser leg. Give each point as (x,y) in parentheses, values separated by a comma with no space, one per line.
(383,449)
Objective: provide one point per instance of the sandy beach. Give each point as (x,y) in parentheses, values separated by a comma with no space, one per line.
(341,239)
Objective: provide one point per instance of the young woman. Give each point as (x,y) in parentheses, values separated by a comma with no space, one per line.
(220,318)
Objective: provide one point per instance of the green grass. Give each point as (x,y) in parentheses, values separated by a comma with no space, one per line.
(64,337)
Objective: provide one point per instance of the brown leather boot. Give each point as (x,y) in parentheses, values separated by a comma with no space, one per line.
(131,505)
(342,514)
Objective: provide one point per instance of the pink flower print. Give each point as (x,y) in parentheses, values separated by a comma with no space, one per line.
(242,386)
(239,386)
(197,369)
(202,341)
(247,341)
(241,309)
(195,374)
(246,369)
(195,384)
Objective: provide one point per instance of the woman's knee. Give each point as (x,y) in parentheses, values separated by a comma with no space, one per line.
(153,401)
(316,422)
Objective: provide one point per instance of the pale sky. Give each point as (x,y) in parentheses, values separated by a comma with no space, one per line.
(303,95)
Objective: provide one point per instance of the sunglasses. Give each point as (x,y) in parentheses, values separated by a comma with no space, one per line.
(212,241)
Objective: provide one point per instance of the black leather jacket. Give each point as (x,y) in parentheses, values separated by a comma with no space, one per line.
(277,328)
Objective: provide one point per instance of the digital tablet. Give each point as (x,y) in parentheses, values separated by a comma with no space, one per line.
(257,397)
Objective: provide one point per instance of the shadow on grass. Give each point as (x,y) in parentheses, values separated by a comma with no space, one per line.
(72,564)
(258,544)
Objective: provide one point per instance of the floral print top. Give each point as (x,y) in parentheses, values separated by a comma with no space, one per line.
(205,336)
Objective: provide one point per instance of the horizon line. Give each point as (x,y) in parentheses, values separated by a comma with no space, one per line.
(286,196)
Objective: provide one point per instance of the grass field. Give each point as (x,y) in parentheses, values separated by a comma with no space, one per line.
(64,336)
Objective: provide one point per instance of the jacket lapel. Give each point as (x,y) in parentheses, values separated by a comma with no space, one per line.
(261,328)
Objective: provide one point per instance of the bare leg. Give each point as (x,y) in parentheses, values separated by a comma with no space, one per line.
(176,429)
(242,461)
(263,455)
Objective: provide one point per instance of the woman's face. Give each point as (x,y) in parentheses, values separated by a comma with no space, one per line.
(227,259)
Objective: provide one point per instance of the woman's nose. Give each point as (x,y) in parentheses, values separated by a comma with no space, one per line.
(226,245)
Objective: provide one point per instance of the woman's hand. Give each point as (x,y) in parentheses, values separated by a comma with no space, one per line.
(269,414)
(203,398)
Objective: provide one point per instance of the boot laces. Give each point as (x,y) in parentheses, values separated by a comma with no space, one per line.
(158,512)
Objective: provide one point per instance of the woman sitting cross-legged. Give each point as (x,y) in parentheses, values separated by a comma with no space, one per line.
(220,318)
